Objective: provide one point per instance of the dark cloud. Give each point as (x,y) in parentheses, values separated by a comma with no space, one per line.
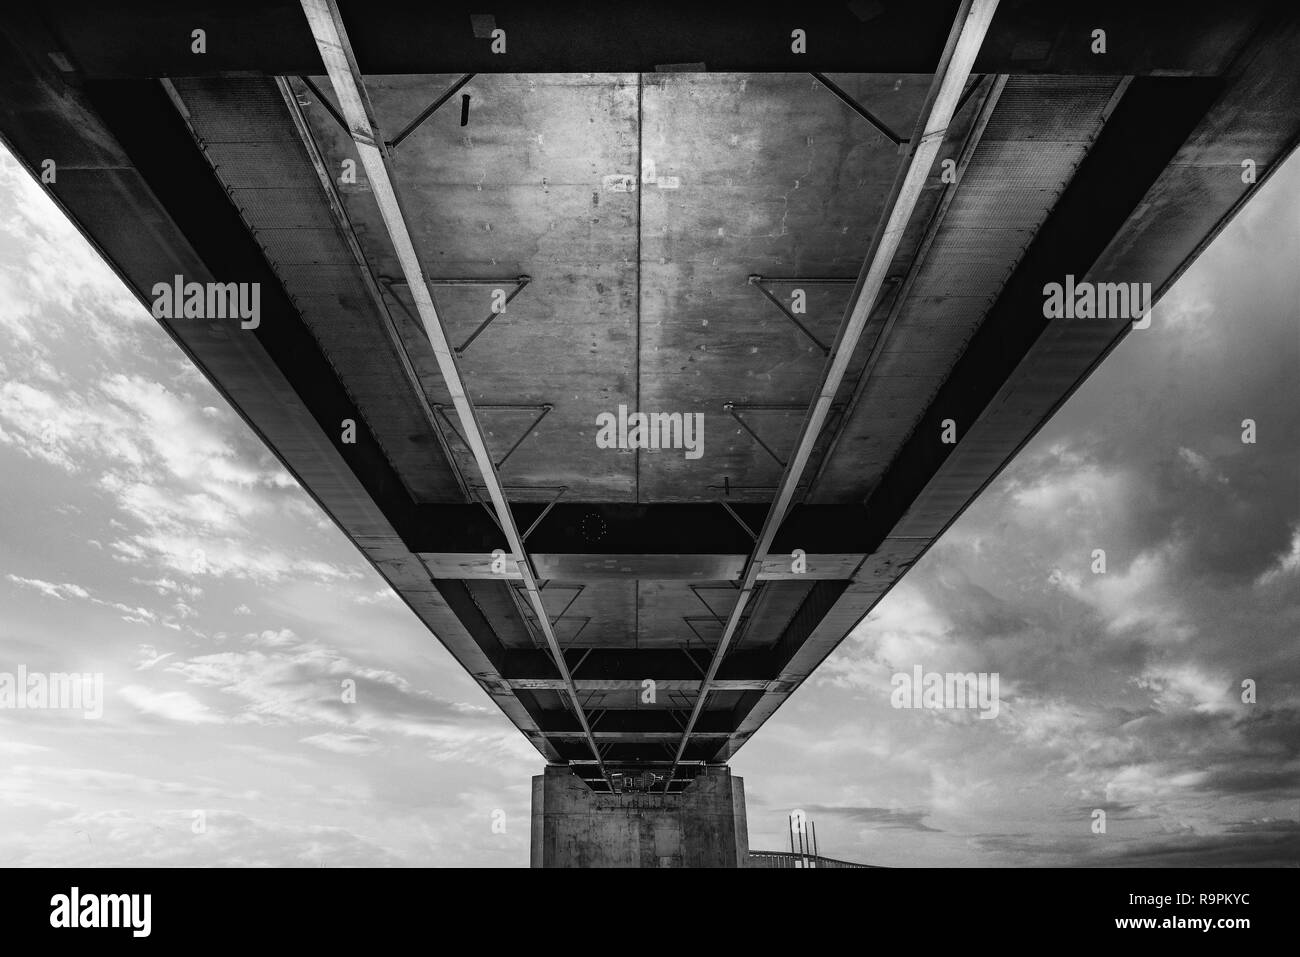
(1229,533)
(1123,690)
(1031,851)
(881,817)
(1262,846)
(1283,783)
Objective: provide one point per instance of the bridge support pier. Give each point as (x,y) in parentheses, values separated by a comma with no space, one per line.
(701,826)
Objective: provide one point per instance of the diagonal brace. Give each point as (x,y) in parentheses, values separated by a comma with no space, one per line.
(859,109)
(428,111)
(730,409)
(520,283)
(545,411)
(758,281)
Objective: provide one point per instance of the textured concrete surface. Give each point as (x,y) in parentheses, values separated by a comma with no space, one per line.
(702,826)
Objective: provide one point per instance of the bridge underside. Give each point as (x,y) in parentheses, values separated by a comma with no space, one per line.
(669,241)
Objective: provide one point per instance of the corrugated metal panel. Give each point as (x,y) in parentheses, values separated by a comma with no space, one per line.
(303,245)
(1046,108)
(256,165)
(978,245)
(930,311)
(1000,207)
(1012,165)
(955,277)
(284,208)
(259,119)
(316,279)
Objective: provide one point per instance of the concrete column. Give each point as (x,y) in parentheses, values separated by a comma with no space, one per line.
(703,826)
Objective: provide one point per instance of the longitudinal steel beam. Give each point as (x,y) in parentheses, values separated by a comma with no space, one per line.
(354,247)
(964,42)
(986,108)
(340,63)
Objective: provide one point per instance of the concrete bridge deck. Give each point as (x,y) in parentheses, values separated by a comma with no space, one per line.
(832,263)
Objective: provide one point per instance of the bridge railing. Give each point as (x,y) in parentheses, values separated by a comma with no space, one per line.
(787,859)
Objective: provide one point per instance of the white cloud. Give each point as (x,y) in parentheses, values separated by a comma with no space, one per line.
(166,586)
(1287,564)
(170,705)
(149,657)
(1187,686)
(59,591)
(1201,466)
(20,747)
(278,678)
(195,553)
(342,743)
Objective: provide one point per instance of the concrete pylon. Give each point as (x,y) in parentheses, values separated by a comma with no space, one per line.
(701,826)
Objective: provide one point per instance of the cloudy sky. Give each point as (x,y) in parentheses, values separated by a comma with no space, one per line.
(147,535)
